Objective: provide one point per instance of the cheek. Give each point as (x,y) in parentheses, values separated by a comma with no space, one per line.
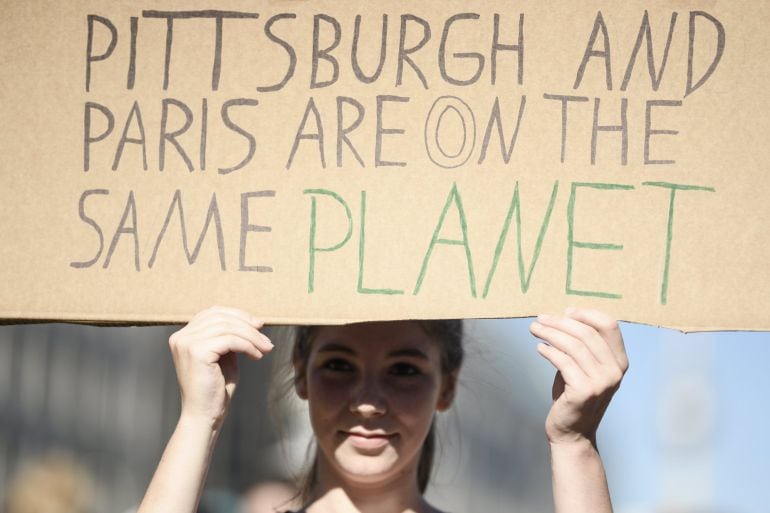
(326,396)
(414,399)
(321,385)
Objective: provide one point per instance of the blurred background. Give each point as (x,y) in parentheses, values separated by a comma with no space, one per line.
(85,413)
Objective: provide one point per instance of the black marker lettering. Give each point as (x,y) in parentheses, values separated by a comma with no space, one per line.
(645,33)
(495,118)
(171,136)
(94,224)
(381,100)
(622,128)
(354,51)
(246,227)
(135,113)
(564,101)
(237,129)
(317,136)
(342,131)
(87,137)
(590,52)
(130,210)
(404,53)
(90,57)
(499,47)
(286,46)
(324,54)
(460,55)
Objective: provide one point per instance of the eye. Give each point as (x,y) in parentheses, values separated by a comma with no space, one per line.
(338,365)
(404,369)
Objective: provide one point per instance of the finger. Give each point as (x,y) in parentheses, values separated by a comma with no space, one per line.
(569,345)
(218,324)
(587,334)
(223,324)
(571,373)
(216,348)
(219,315)
(233,312)
(607,327)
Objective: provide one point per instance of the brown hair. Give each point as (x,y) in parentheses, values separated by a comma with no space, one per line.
(449,333)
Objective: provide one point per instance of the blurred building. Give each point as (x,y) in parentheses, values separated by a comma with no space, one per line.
(109,397)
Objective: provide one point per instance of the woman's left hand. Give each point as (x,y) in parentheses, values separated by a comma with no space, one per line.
(586,347)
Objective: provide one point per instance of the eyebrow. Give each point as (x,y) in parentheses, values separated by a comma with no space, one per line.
(416,353)
(409,352)
(332,347)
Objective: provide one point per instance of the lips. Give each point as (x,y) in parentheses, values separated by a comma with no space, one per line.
(369,440)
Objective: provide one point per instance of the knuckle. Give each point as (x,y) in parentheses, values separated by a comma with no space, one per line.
(610,324)
(585,331)
(217,329)
(624,365)
(175,341)
(615,377)
(604,322)
(583,349)
(233,325)
(223,327)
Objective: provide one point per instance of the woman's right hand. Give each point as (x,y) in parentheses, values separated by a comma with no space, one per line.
(204,353)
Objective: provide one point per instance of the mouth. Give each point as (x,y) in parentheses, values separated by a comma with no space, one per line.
(369,440)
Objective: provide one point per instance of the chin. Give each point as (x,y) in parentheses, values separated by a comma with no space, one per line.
(367,468)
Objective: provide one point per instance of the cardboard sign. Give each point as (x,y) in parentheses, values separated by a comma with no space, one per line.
(331,161)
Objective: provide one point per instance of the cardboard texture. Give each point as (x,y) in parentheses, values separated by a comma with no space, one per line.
(331,161)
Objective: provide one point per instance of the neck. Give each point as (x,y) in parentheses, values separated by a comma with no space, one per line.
(335,492)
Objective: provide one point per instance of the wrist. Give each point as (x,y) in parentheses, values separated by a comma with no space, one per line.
(204,415)
(579,481)
(569,438)
(578,448)
(199,426)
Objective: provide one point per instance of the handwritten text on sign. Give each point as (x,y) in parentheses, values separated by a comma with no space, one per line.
(482,162)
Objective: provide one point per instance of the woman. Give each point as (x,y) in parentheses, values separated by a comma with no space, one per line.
(373,389)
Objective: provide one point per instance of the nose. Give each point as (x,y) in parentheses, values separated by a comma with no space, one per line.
(367,399)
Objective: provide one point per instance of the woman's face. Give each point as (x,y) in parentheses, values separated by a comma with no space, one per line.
(372,390)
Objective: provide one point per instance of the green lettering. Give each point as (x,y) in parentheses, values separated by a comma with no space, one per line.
(361,249)
(572,243)
(674,187)
(516,207)
(453,198)
(312,247)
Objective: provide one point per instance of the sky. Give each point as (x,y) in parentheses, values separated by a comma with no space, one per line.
(687,432)
(689,429)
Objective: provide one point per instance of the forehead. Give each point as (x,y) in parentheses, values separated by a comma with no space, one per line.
(377,336)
